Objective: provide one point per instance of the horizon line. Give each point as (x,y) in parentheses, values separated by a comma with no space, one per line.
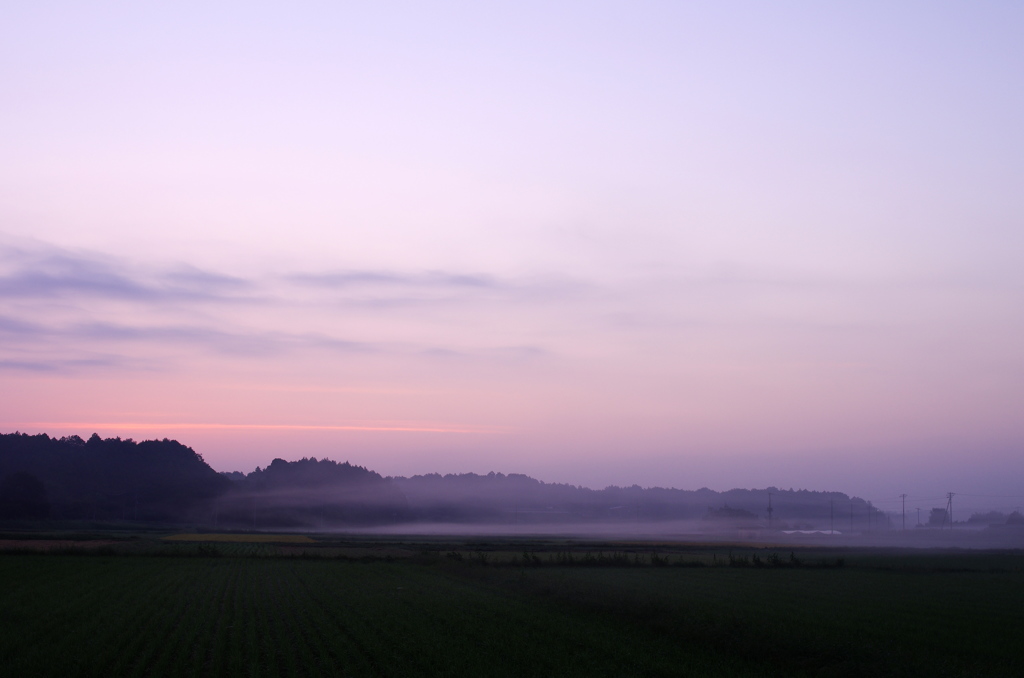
(144,426)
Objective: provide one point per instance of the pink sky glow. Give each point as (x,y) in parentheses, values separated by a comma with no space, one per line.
(700,244)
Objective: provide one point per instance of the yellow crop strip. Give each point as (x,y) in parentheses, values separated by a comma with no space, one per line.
(244,538)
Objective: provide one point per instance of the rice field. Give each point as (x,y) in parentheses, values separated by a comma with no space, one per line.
(237,613)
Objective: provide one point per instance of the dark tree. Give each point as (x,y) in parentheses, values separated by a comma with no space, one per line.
(105,479)
(22,495)
(990,518)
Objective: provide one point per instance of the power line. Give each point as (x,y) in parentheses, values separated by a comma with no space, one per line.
(914,497)
(946,496)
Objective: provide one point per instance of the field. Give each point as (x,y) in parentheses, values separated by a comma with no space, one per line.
(242,538)
(151,607)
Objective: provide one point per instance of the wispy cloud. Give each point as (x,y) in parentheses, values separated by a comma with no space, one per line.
(50,273)
(157,426)
(253,343)
(65,311)
(58,366)
(17,327)
(398,291)
(428,279)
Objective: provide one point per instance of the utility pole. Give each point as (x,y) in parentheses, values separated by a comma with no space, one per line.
(919,517)
(904,498)
(770,509)
(949,508)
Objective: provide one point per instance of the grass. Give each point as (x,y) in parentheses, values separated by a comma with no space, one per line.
(882,614)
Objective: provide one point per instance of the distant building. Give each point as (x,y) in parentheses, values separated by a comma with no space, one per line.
(938,517)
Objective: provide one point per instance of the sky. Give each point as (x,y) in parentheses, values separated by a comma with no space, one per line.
(716,244)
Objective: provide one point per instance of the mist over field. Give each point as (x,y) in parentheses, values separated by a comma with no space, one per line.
(166,483)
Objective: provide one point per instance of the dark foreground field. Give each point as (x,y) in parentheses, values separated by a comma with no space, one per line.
(220,609)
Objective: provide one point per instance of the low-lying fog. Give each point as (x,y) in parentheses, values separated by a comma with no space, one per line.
(698,531)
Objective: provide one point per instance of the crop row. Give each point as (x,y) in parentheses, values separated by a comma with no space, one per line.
(267,617)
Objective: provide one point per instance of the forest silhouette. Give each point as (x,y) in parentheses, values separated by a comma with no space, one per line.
(164,481)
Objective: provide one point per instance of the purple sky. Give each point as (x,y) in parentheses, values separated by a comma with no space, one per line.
(720,244)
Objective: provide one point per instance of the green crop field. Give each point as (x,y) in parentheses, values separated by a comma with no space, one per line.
(445,611)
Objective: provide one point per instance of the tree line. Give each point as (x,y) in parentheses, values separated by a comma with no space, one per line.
(164,481)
